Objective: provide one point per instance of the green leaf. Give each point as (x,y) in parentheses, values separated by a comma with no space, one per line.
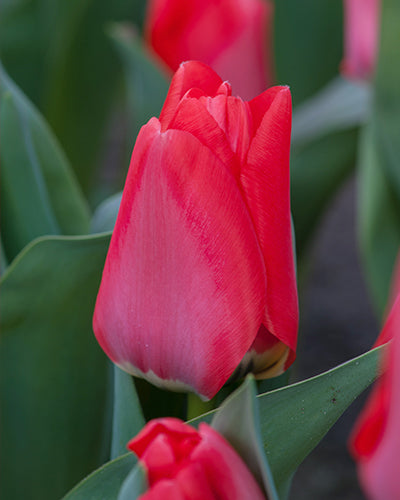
(39,194)
(341,104)
(307,44)
(379,218)
(318,168)
(26,29)
(146,85)
(387,93)
(104,483)
(106,214)
(128,419)
(238,421)
(134,485)
(295,418)
(379,165)
(84,78)
(54,378)
(324,146)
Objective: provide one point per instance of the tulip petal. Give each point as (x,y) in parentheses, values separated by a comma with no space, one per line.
(227,474)
(376,438)
(183,288)
(265,182)
(191,74)
(251,47)
(192,116)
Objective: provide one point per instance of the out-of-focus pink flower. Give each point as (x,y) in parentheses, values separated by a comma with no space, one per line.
(395,285)
(376,438)
(231,36)
(361,31)
(185,464)
(199,279)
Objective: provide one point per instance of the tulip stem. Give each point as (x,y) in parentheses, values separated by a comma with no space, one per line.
(196,406)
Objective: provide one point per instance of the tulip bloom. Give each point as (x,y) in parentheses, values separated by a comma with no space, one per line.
(376,438)
(361,28)
(199,277)
(231,36)
(185,464)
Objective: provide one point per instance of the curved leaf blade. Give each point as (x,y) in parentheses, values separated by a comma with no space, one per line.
(39,194)
(54,378)
(296,417)
(105,482)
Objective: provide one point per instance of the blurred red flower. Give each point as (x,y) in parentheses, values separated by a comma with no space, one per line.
(375,442)
(231,36)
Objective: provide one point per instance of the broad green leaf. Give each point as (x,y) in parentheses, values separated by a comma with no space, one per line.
(341,104)
(60,55)
(128,419)
(104,483)
(238,421)
(307,44)
(295,418)
(134,485)
(379,218)
(39,194)
(324,146)
(387,93)
(54,389)
(106,214)
(26,28)
(318,168)
(146,85)
(84,78)
(379,164)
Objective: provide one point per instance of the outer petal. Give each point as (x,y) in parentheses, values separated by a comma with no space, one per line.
(173,427)
(361,37)
(265,181)
(228,476)
(376,441)
(389,329)
(192,116)
(183,287)
(395,285)
(165,490)
(191,74)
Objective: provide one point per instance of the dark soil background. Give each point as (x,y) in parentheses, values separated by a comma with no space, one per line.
(337,323)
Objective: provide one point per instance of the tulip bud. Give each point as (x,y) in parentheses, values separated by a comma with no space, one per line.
(182,463)
(361,27)
(200,269)
(231,36)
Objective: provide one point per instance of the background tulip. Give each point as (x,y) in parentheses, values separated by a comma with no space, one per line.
(183,463)
(376,439)
(361,27)
(231,36)
(200,269)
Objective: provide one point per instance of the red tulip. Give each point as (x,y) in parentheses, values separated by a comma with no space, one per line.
(361,29)
(376,438)
(231,36)
(185,464)
(200,268)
